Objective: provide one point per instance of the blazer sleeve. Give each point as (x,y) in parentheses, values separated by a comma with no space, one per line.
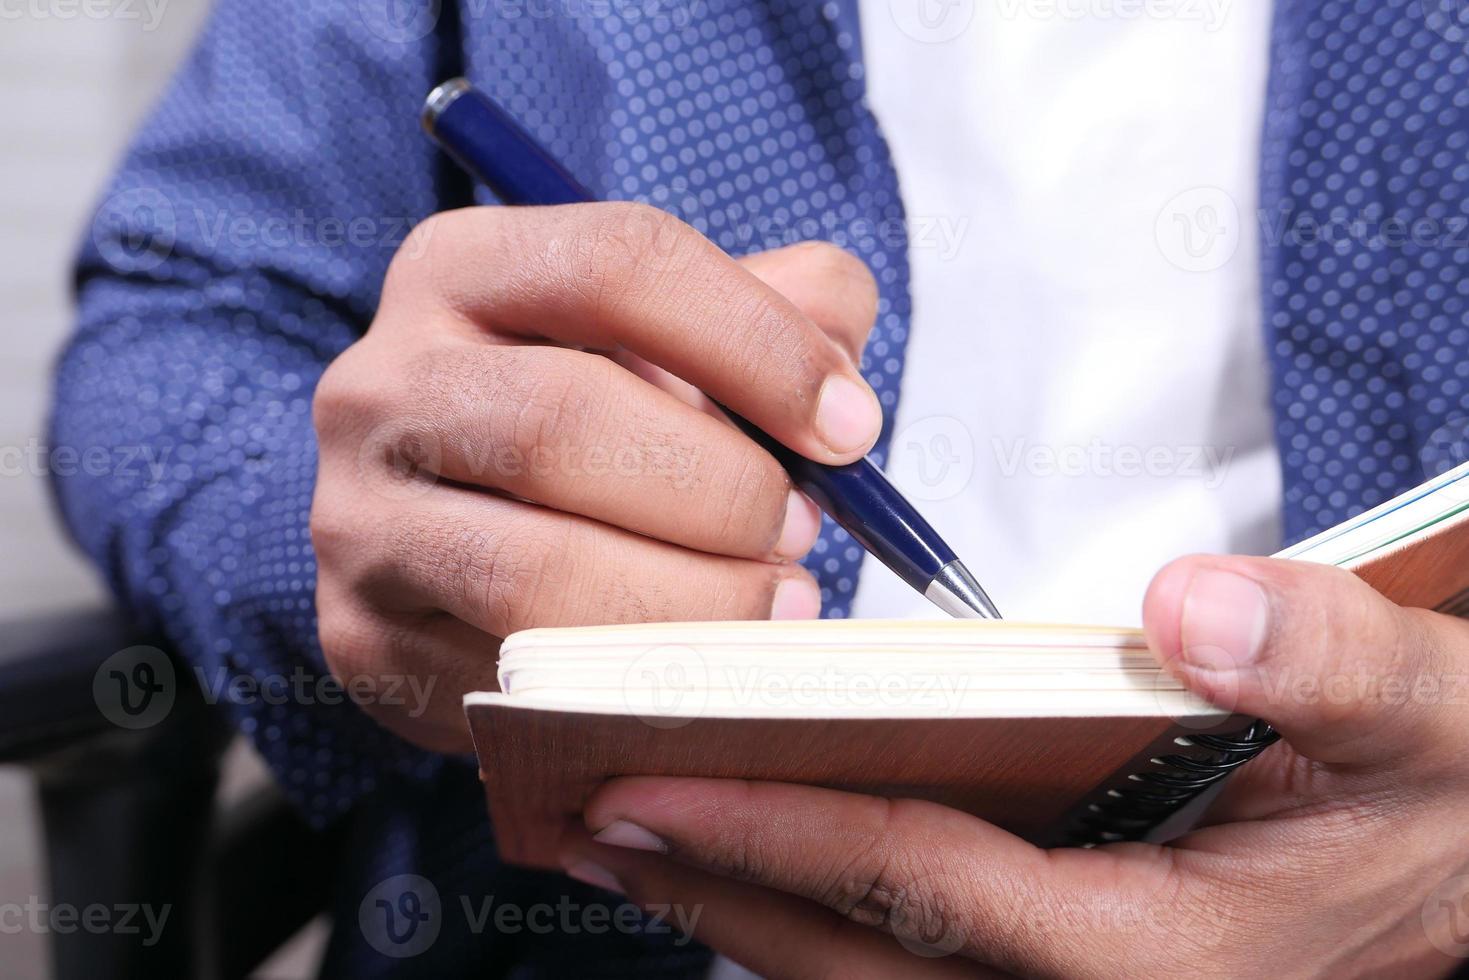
(239,248)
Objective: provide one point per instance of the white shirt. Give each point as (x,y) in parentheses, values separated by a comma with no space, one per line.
(1086,394)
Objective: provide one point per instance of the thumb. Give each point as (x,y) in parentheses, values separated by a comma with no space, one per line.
(1345,675)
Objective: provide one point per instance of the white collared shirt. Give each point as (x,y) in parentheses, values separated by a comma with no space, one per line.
(1086,392)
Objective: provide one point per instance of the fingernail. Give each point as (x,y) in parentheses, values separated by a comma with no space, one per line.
(802,525)
(796,598)
(848,416)
(1225,619)
(625,833)
(594,875)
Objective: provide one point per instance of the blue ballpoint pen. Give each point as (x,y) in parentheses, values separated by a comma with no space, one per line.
(492,147)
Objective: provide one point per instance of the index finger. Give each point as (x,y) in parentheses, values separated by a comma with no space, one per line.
(906,866)
(605,276)
(770,933)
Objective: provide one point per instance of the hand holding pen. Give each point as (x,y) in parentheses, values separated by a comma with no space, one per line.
(856,494)
(507,445)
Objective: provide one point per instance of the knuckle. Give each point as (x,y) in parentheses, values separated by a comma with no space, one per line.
(761,333)
(623,243)
(842,295)
(755,515)
(749,596)
(1416,679)
(331,533)
(846,273)
(502,409)
(407,265)
(428,251)
(648,230)
(359,647)
(1366,669)
(729,588)
(350,644)
(879,884)
(343,394)
(453,260)
(916,907)
(736,857)
(772,330)
(556,402)
(866,890)
(510,572)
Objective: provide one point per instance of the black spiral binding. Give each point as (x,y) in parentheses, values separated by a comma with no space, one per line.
(1145,799)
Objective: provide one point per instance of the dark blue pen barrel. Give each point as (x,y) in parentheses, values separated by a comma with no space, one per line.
(491,146)
(859,497)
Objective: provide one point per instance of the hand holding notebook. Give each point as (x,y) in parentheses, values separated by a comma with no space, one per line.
(1351,832)
(1063,734)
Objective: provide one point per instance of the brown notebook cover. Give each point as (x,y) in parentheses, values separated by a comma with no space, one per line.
(1023,774)
(1427,571)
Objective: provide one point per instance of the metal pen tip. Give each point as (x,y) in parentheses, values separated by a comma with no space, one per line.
(958,593)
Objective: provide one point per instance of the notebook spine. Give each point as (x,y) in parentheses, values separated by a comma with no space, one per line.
(1132,807)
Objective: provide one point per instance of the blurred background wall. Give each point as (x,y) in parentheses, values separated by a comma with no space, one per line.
(75,77)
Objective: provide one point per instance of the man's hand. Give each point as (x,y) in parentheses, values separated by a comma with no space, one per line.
(515,442)
(1341,851)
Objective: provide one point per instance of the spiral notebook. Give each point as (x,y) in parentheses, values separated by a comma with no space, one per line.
(1066,735)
